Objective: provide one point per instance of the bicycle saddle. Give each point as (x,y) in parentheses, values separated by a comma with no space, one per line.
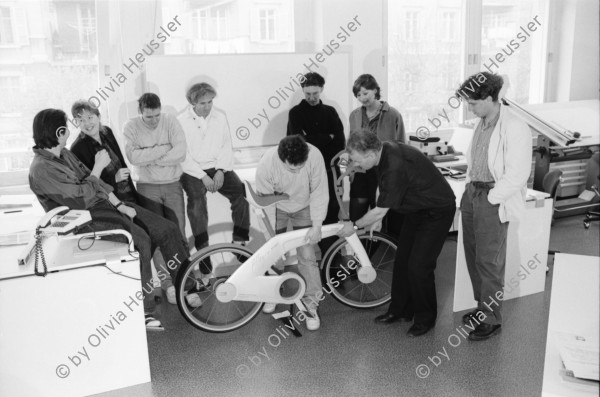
(263,201)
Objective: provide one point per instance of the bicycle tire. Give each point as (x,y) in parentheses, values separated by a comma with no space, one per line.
(381,249)
(214,315)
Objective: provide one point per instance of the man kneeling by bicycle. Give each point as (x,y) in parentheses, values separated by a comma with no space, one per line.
(298,169)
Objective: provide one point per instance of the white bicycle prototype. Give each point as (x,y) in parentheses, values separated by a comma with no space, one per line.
(234,283)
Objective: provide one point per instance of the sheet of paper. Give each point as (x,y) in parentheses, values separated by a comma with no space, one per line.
(587,195)
(580,354)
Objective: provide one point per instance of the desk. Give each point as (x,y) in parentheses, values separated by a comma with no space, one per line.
(573,309)
(74,317)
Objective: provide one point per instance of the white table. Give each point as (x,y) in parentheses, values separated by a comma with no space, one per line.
(573,309)
(48,325)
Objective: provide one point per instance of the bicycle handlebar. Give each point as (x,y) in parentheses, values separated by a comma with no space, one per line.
(339,181)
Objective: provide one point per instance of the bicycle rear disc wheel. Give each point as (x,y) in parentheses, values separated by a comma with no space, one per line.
(339,273)
(213,315)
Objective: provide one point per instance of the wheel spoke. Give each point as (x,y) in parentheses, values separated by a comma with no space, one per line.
(214,315)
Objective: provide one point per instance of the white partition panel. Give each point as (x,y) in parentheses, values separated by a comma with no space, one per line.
(256,91)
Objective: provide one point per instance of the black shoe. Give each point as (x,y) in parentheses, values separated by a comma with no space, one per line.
(419,329)
(471,317)
(389,318)
(484,331)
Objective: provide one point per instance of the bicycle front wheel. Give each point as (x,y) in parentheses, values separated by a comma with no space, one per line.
(198,281)
(339,271)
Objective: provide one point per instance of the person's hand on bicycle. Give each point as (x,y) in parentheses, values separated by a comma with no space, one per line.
(375,227)
(351,170)
(348,229)
(313,235)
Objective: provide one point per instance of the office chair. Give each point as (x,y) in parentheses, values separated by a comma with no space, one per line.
(550,184)
(593,184)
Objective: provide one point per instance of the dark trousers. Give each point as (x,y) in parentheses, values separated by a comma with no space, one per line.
(484,240)
(421,239)
(233,189)
(148,231)
(163,234)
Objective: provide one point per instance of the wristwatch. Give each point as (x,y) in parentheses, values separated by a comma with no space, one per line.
(221,169)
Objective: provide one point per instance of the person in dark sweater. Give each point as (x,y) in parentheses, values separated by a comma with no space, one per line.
(95,137)
(410,184)
(319,125)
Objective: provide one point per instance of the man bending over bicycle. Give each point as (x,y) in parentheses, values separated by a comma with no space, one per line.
(298,169)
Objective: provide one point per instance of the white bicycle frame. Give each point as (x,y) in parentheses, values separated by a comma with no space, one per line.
(249,282)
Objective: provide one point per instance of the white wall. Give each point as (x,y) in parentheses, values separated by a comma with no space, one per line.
(586,50)
(131,25)
(574,46)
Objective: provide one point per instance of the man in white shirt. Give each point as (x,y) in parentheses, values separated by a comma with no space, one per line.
(209,165)
(298,169)
(499,164)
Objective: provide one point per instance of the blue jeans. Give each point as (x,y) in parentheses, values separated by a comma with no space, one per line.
(167,201)
(307,260)
(232,189)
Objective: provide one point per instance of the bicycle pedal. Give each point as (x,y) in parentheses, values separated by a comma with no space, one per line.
(283,314)
(205,280)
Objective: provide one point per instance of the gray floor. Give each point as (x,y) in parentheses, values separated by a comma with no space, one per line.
(352,356)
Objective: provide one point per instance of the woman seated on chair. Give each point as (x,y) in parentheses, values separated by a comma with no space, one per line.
(58,178)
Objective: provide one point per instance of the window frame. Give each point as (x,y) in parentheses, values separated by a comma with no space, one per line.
(471,53)
(13,22)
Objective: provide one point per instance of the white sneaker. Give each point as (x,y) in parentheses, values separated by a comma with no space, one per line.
(313,322)
(193,300)
(269,308)
(171,298)
(152,323)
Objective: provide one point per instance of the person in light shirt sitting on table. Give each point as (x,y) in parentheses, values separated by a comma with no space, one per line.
(155,147)
(208,166)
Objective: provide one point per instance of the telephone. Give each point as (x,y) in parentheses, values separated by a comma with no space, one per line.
(59,221)
(62,220)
